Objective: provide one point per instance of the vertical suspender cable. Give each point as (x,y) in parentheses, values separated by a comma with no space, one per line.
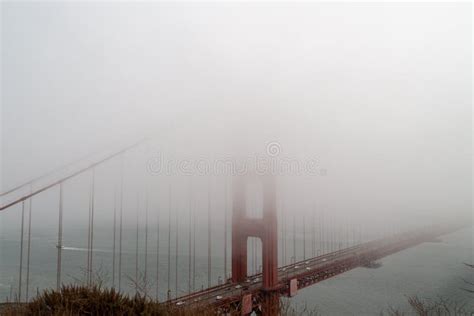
(88,238)
(343,233)
(327,233)
(313,235)
(331,232)
(304,238)
(92,225)
(280,223)
(114,236)
(321,238)
(137,280)
(90,230)
(169,242)
(28,250)
(21,249)
(189,239)
(330,229)
(145,268)
(60,238)
(340,233)
(176,253)
(254,241)
(225,228)
(348,232)
(157,252)
(321,233)
(194,246)
(294,238)
(120,226)
(353,233)
(209,269)
(284,223)
(334,242)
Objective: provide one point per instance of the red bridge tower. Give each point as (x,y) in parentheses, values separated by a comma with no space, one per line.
(264,228)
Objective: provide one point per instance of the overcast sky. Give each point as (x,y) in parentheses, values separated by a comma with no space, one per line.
(379,94)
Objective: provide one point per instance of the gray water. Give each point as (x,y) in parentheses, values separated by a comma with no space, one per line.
(430,270)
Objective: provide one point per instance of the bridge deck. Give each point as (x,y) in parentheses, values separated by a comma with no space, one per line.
(309,271)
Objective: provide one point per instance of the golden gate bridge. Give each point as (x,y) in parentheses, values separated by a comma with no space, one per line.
(332,251)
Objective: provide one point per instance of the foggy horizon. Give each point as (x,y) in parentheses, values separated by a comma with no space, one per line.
(361,111)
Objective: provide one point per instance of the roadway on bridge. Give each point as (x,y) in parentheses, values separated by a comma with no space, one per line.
(309,271)
(253,283)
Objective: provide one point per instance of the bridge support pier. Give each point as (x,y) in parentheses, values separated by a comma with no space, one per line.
(271,304)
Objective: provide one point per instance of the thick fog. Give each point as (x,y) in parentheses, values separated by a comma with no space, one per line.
(378,96)
(362,112)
